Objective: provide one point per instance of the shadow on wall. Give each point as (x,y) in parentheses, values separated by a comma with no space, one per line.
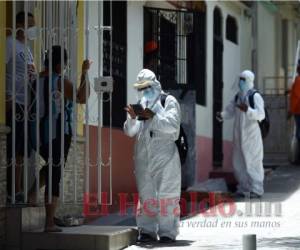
(204,163)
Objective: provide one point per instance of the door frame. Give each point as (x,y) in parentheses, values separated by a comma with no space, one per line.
(217,95)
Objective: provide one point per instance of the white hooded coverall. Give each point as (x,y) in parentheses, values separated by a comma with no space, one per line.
(157,164)
(247,139)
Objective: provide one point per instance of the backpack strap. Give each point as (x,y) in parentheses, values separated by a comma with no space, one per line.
(236,98)
(163,98)
(251,98)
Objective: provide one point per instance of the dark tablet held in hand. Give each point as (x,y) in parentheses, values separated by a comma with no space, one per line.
(138,108)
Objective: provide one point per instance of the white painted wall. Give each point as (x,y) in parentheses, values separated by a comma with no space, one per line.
(292,45)
(270,43)
(93,55)
(204,113)
(245,39)
(135,45)
(231,64)
(266,51)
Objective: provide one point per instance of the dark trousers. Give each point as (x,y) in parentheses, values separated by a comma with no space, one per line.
(56,159)
(297,122)
(19,141)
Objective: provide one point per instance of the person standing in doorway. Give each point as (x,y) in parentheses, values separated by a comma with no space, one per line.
(157,163)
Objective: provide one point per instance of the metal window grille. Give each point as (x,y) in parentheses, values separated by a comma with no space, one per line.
(180,60)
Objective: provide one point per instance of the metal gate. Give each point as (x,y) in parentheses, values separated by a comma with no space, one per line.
(277,144)
(52,112)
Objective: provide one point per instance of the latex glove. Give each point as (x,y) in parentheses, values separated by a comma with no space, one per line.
(243,107)
(219,117)
(146,115)
(130,111)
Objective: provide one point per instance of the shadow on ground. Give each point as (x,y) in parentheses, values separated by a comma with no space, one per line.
(293,242)
(282,183)
(178,243)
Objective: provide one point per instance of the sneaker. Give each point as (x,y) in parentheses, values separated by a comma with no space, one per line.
(59,222)
(52,229)
(166,240)
(251,195)
(145,238)
(238,195)
(254,195)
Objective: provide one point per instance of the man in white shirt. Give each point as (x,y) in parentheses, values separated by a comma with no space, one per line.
(23,59)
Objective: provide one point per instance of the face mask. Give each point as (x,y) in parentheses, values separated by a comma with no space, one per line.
(32,33)
(149,93)
(243,86)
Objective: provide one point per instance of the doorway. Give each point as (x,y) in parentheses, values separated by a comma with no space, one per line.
(179,64)
(119,58)
(217,88)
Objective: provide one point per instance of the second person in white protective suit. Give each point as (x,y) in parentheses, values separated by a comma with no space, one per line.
(247,139)
(156,158)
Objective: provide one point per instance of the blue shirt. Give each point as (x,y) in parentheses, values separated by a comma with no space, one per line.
(44,116)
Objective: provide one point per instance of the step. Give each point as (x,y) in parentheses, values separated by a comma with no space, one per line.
(84,237)
(19,219)
(275,159)
(30,217)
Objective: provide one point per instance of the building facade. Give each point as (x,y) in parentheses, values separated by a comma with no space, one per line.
(202,47)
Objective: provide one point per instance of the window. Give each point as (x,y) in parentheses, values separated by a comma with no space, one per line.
(231,29)
(180,60)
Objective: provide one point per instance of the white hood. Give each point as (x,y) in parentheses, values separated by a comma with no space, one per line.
(249,76)
(146,78)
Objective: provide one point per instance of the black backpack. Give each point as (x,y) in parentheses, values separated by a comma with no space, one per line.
(181,142)
(264,125)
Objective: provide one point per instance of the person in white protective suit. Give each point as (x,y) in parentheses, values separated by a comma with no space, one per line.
(157,162)
(247,139)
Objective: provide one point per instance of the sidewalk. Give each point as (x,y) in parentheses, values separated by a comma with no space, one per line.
(278,228)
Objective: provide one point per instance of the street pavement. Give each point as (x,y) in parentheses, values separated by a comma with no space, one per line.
(274,219)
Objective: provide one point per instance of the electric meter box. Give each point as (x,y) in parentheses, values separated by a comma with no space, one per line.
(103,84)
